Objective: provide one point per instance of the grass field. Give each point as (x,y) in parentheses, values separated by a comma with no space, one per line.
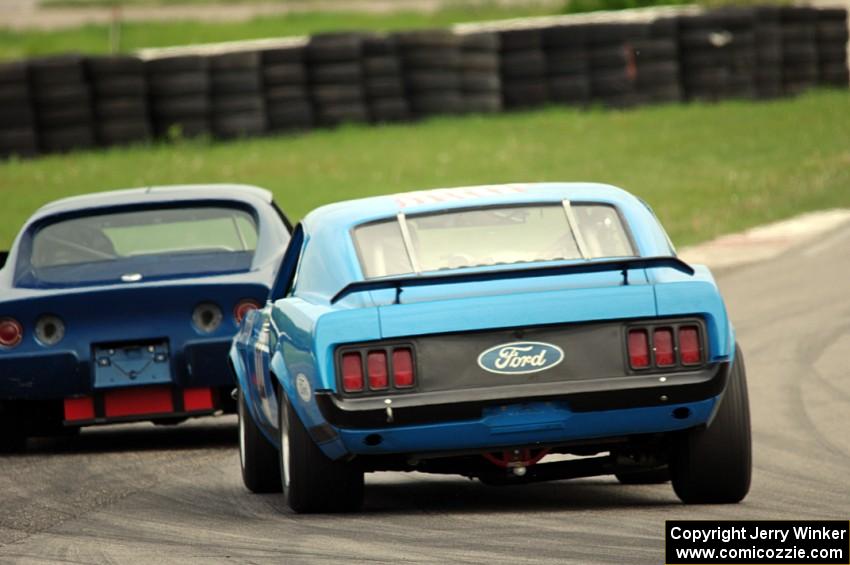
(705,169)
(95,38)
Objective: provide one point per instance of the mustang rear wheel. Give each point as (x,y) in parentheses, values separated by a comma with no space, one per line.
(311,481)
(258,457)
(713,465)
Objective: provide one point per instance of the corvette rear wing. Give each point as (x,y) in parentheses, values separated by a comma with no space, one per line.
(622,265)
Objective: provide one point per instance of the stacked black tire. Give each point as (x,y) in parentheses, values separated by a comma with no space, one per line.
(63,103)
(179,95)
(336,78)
(799,48)
(237,94)
(287,96)
(718,55)
(17,120)
(523,67)
(383,80)
(120,99)
(431,64)
(832,40)
(567,65)
(613,78)
(656,63)
(768,47)
(480,78)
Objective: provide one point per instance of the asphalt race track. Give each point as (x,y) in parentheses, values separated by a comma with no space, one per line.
(151,494)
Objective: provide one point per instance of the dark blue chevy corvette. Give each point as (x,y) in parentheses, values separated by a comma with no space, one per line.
(120,306)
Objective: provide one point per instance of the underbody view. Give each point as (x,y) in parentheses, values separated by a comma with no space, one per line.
(510,333)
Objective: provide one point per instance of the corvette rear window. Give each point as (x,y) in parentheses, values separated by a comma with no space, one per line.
(491,236)
(147,242)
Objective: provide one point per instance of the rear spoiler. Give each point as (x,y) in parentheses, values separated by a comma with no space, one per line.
(622,265)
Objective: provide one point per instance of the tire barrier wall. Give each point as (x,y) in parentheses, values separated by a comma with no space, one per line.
(617,59)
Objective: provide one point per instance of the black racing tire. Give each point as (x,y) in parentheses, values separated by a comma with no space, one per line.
(381,65)
(608,57)
(482,103)
(123,131)
(480,41)
(384,87)
(120,85)
(243,124)
(336,114)
(337,94)
(560,36)
(237,104)
(236,82)
(175,84)
(15,93)
(312,482)
(114,65)
(66,139)
(433,58)
(428,81)
(653,477)
(389,110)
(480,62)
(179,64)
(378,46)
(18,141)
(570,89)
(123,108)
(180,107)
(258,458)
(286,93)
(57,70)
(436,103)
(337,73)
(566,62)
(520,39)
(285,74)
(13,72)
(283,55)
(63,96)
(296,114)
(58,117)
(713,465)
(656,50)
(481,82)
(426,39)
(335,47)
(523,64)
(235,61)
(525,94)
(16,116)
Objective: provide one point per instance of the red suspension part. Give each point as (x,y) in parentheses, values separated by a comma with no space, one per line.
(522,457)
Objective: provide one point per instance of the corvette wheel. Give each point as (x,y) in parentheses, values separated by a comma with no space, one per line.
(311,481)
(713,465)
(258,458)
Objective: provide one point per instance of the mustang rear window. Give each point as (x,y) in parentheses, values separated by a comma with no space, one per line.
(146,242)
(491,236)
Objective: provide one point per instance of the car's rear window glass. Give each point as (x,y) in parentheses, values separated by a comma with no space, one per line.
(160,242)
(491,236)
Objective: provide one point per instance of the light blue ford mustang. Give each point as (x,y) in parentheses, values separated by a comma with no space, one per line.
(511,333)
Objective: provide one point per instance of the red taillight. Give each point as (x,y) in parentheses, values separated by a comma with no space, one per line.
(243,307)
(11,332)
(352,372)
(403,376)
(689,345)
(662,342)
(376,365)
(638,349)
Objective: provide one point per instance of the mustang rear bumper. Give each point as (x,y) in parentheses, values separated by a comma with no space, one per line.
(521,414)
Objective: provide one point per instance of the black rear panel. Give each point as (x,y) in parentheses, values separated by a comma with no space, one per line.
(590,351)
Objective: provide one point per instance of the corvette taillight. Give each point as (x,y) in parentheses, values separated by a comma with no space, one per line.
(665,346)
(662,346)
(243,307)
(11,332)
(381,368)
(638,349)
